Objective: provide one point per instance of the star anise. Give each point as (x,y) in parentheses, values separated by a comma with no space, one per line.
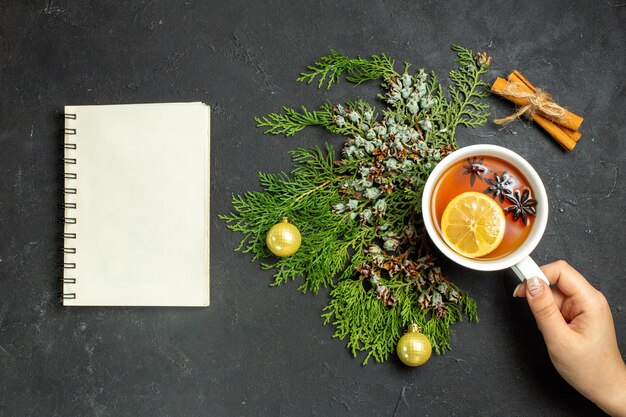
(474,169)
(523,206)
(499,186)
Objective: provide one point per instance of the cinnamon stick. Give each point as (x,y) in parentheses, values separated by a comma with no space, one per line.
(563,134)
(570,121)
(557,133)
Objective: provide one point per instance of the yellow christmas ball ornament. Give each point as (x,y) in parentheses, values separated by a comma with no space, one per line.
(283,239)
(414,348)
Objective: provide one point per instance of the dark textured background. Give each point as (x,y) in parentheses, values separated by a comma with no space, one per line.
(259,350)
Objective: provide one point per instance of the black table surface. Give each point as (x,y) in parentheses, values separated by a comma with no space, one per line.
(261,350)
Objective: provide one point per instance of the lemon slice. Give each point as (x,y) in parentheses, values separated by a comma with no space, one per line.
(473,224)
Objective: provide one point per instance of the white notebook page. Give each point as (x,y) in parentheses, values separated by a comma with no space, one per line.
(142,205)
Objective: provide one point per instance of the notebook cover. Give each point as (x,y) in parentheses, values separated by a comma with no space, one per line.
(141,198)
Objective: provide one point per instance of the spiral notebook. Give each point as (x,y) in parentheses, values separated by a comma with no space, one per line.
(136,209)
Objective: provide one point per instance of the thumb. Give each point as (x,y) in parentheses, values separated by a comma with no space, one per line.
(543,306)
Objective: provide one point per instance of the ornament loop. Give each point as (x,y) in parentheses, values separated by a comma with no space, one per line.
(414,327)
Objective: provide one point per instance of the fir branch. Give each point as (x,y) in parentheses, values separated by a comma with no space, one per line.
(330,68)
(305,197)
(467,90)
(346,206)
(363,320)
(292,121)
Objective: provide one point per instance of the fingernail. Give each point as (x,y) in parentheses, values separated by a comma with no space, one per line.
(534,286)
(515,290)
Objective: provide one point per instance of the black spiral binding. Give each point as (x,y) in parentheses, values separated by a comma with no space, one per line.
(68,205)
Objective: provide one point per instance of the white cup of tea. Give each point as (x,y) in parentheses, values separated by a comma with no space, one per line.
(518,259)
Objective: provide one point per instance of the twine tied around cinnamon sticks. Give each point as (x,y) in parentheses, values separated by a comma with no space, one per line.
(537,105)
(537,101)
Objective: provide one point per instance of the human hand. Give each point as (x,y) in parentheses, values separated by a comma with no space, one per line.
(577,326)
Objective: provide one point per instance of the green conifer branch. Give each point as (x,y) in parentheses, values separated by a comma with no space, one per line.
(330,68)
(466,108)
(347,207)
(291,121)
